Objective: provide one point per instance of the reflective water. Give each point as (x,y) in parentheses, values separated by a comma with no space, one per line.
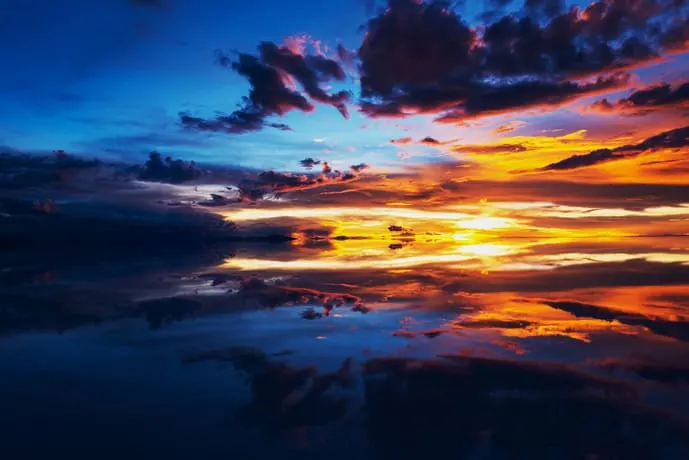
(523,332)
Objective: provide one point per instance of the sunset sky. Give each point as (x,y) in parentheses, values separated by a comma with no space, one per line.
(443,124)
(352,208)
(502,96)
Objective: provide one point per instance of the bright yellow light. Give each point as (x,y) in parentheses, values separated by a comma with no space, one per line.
(486,250)
(315,213)
(341,264)
(486,223)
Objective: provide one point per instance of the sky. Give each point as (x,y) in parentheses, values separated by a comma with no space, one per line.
(399,103)
(501,178)
(109,79)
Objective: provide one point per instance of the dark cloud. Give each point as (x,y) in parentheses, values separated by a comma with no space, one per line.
(284,397)
(674,329)
(675,138)
(659,372)
(519,408)
(430,141)
(359,167)
(676,36)
(346,56)
(23,171)
(271,75)
(420,57)
(309,71)
(647,100)
(412,43)
(272,182)
(471,100)
(166,169)
(309,163)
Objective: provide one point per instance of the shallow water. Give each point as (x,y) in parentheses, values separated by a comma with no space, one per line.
(507,346)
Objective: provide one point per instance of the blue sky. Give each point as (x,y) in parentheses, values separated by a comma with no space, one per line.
(109,78)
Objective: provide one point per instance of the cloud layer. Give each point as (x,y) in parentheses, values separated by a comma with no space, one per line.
(673,139)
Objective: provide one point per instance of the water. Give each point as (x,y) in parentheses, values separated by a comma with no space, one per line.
(493,339)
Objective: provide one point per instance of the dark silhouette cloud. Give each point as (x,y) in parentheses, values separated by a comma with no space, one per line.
(268,182)
(674,329)
(166,169)
(285,397)
(659,372)
(466,405)
(22,171)
(420,57)
(309,163)
(519,409)
(359,167)
(430,141)
(309,71)
(412,43)
(675,138)
(271,75)
(647,100)
(457,103)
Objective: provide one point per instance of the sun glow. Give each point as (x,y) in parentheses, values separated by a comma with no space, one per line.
(486,223)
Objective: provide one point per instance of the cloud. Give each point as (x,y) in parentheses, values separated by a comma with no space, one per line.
(402,141)
(359,167)
(544,59)
(430,141)
(486,99)
(508,127)
(659,372)
(675,138)
(647,100)
(60,170)
(405,403)
(272,182)
(169,170)
(272,75)
(675,329)
(676,36)
(309,163)
(484,149)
